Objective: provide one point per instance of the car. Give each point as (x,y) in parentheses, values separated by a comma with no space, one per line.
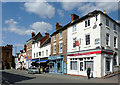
(33,70)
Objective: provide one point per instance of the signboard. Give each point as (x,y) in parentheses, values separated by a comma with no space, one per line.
(76,43)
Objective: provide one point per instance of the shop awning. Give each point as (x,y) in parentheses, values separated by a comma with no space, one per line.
(34,60)
(43,61)
(28,60)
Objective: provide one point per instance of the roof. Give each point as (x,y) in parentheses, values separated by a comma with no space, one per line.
(48,41)
(35,37)
(90,14)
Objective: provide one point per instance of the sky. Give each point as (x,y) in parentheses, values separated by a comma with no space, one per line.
(19,19)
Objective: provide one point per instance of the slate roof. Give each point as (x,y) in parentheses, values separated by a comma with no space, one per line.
(48,41)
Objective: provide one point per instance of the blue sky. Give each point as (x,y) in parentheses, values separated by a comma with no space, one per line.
(19,19)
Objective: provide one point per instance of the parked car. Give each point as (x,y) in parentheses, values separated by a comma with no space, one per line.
(33,70)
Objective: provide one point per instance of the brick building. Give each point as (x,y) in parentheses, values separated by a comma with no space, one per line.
(7,58)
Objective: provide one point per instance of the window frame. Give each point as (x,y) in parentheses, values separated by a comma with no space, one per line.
(60,44)
(87,39)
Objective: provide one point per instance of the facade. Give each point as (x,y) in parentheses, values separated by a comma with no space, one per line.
(41,51)
(93,40)
(7,56)
(57,60)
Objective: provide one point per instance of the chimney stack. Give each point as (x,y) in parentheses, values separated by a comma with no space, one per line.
(74,17)
(32,34)
(46,34)
(57,26)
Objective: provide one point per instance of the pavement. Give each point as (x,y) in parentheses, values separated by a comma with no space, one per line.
(17,76)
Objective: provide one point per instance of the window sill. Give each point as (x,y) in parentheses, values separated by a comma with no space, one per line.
(87,28)
(60,38)
(107,27)
(74,32)
(74,48)
(87,46)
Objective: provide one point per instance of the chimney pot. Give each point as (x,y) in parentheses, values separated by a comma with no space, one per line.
(74,17)
(58,26)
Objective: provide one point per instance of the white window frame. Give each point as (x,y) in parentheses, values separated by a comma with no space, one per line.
(60,47)
(115,43)
(61,35)
(54,52)
(86,40)
(108,39)
(74,39)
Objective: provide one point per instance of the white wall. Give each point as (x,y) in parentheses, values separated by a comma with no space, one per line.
(80,33)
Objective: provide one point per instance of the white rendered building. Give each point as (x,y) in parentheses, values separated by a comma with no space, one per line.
(98,36)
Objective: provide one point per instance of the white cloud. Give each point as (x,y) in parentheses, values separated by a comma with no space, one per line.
(18,45)
(41,26)
(2,42)
(60,12)
(85,7)
(13,26)
(43,9)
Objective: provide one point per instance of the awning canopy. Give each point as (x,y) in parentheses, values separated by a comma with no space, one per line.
(34,60)
(42,61)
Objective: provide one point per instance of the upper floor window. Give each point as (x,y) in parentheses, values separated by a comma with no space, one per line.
(74,39)
(7,54)
(60,47)
(115,27)
(54,37)
(39,53)
(115,42)
(74,28)
(107,22)
(42,53)
(36,54)
(54,49)
(61,35)
(87,38)
(46,52)
(87,23)
(107,39)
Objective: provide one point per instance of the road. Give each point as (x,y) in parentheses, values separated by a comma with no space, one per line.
(18,76)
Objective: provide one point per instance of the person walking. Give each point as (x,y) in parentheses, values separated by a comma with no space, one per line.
(88,72)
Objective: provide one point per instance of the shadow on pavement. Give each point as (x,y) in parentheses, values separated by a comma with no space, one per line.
(12,78)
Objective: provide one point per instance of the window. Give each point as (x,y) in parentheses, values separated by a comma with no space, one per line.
(107,22)
(73,65)
(7,54)
(115,59)
(54,49)
(36,54)
(87,39)
(60,47)
(74,39)
(54,37)
(115,41)
(107,65)
(39,53)
(74,28)
(61,35)
(46,52)
(88,63)
(115,27)
(107,39)
(34,45)
(42,53)
(87,23)
(81,66)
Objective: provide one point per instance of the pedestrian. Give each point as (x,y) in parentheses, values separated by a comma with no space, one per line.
(88,72)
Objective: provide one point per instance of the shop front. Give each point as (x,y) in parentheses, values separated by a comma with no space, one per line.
(99,62)
(56,64)
(44,64)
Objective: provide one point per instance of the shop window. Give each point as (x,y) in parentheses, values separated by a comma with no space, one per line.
(51,67)
(81,66)
(58,65)
(88,63)
(73,65)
